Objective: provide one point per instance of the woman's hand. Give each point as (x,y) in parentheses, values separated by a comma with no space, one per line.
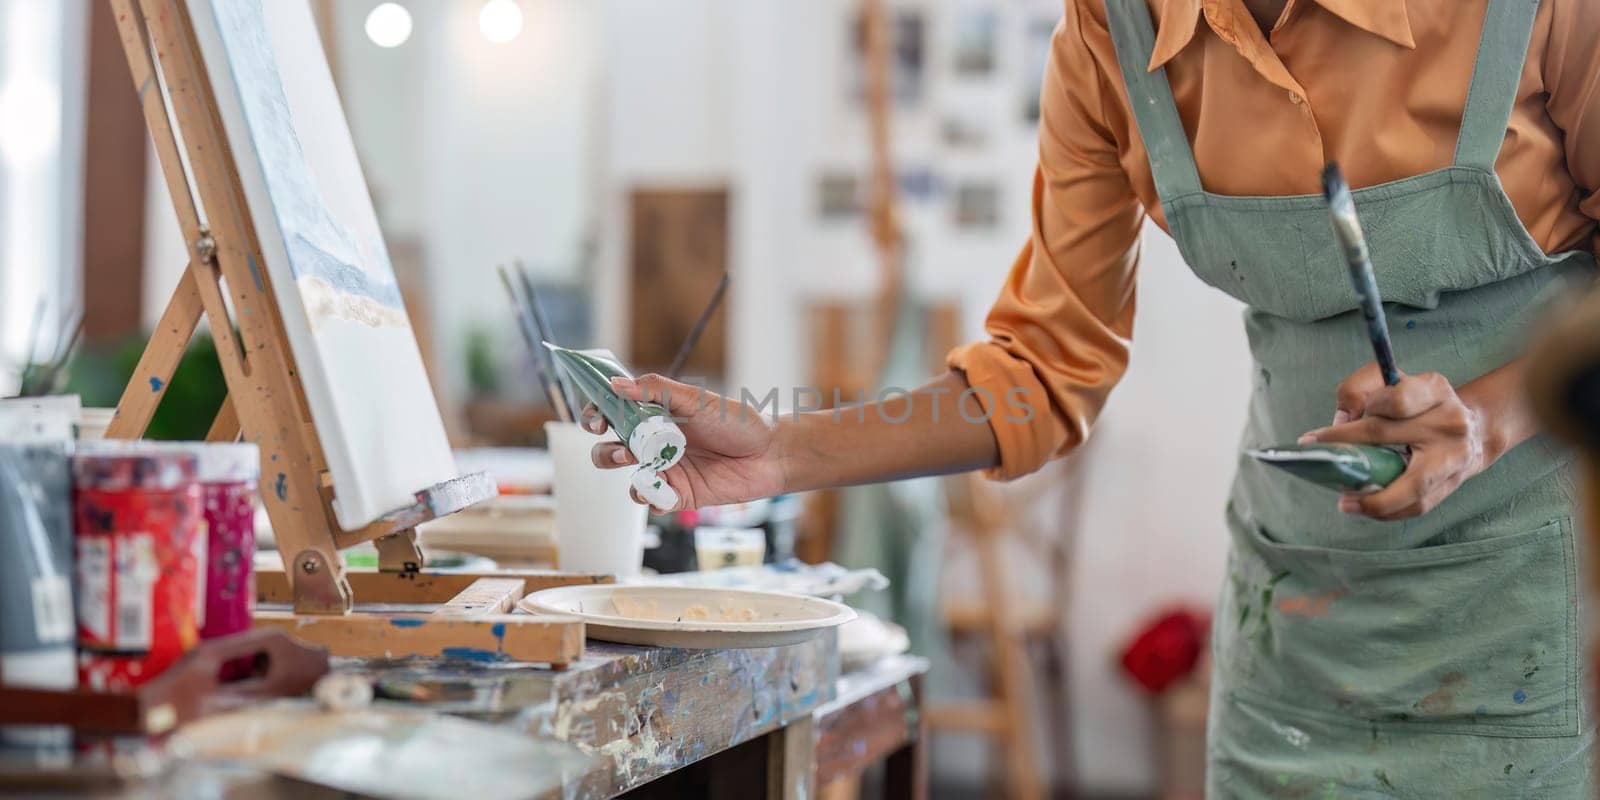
(732,453)
(1453,435)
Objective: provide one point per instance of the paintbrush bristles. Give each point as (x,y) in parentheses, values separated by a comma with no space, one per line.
(1346,225)
(549,382)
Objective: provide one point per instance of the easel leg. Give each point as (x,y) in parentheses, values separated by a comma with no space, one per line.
(255,360)
(225,427)
(160,360)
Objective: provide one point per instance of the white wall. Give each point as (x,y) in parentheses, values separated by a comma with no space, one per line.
(42,77)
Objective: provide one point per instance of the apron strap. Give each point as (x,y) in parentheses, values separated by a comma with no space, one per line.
(1495,77)
(1150,96)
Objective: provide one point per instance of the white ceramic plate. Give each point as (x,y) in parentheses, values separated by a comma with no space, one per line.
(694,617)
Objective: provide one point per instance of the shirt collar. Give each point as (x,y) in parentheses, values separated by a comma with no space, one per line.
(1180,19)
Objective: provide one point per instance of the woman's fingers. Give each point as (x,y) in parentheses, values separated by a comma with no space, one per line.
(610,455)
(592,420)
(1350,399)
(1413,396)
(1369,430)
(681,399)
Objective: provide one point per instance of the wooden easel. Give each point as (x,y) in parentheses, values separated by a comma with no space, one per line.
(266,404)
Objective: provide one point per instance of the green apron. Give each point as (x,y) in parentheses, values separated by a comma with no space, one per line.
(1432,657)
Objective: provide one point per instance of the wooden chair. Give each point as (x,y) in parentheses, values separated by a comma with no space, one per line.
(1023,640)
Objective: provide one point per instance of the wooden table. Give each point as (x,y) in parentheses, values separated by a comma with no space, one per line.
(651,722)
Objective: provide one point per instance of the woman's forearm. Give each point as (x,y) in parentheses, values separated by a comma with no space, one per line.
(937,429)
(1500,401)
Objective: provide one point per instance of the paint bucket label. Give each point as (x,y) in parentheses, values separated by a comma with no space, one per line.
(229,475)
(229,582)
(52,608)
(138,513)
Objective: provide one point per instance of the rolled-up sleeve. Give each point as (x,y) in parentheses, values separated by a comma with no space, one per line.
(1572,83)
(1060,331)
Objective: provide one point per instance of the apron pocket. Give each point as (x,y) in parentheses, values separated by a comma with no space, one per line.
(1475,637)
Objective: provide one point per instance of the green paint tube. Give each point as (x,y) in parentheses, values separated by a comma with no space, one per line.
(1360,468)
(646,428)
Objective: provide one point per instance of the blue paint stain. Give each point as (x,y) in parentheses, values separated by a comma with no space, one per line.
(499,631)
(155,384)
(807,700)
(404,622)
(255,273)
(471,654)
(1519,697)
(282,486)
(1481,710)
(1411,324)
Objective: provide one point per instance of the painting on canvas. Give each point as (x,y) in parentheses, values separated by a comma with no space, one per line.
(323,254)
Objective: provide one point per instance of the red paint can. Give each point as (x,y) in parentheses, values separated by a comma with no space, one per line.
(139,551)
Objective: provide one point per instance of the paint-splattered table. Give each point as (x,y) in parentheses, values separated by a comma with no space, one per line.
(642,722)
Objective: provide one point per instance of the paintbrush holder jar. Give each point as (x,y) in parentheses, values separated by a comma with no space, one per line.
(599,528)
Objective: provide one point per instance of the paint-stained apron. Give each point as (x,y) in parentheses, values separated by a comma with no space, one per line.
(1432,657)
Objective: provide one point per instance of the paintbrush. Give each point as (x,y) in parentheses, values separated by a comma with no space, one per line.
(546,336)
(1348,228)
(530,335)
(699,328)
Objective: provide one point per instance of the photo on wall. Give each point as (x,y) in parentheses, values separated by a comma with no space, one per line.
(840,196)
(908,30)
(918,184)
(975,35)
(975,204)
(963,131)
(1036,50)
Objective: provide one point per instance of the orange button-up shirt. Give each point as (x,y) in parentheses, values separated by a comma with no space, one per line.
(1378,85)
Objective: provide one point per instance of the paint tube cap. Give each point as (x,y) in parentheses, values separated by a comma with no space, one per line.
(654,489)
(657,442)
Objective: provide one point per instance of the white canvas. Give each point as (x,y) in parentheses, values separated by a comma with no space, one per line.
(324,254)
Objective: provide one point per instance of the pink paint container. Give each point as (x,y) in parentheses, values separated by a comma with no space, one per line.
(228,475)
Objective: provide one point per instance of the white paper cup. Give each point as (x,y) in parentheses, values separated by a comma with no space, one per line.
(598,526)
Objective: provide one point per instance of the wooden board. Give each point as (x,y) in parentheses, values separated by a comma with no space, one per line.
(491,637)
(370,586)
(320,246)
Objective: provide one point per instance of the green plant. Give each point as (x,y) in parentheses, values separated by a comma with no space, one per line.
(195,393)
(483,371)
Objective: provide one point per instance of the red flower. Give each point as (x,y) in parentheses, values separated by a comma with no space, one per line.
(1166,649)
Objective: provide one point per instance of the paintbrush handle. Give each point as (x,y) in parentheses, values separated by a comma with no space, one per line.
(1347,227)
(699,329)
(552,391)
(568,398)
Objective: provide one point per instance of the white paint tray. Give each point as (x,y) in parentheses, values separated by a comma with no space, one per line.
(691,617)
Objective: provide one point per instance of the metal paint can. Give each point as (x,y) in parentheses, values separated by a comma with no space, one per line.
(36,627)
(137,506)
(229,475)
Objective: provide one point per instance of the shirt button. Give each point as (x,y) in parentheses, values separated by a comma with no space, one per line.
(1294,97)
